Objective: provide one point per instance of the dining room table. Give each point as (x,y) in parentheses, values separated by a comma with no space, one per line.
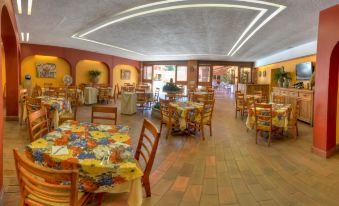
(128,103)
(102,153)
(55,106)
(90,95)
(185,110)
(280,115)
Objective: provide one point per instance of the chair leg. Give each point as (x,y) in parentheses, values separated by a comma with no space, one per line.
(202,133)
(296,126)
(256,136)
(210,129)
(99,198)
(169,128)
(269,139)
(147,187)
(161,126)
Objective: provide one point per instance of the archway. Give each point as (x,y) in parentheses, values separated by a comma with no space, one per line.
(28,67)
(84,66)
(11,50)
(116,74)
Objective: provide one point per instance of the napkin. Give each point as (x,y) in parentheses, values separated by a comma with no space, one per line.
(59,150)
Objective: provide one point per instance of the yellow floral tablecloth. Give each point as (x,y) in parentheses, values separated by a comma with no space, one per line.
(103,154)
(280,113)
(185,111)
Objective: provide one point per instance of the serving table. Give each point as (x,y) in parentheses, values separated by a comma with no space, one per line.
(280,115)
(90,95)
(128,103)
(103,154)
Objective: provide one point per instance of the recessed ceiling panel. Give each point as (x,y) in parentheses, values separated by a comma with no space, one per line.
(182,31)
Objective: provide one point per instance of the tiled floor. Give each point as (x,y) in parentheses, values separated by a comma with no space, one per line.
(226,169)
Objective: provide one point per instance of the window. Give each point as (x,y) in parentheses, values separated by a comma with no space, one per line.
(148,72)
(182,73)
(204,73)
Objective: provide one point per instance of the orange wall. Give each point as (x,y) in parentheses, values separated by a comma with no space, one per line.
(84,66)
(289,67)
(116,74)
(28,66)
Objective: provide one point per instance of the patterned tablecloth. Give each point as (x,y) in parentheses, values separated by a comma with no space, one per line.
(280,113)
(185,110)
(103,154)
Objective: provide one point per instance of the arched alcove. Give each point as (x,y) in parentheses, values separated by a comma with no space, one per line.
(28,67)
(117,71)
(84,66)
(10,46)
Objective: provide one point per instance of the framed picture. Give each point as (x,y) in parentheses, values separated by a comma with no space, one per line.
(125,74)
(259,73)
(45,70)
(264,73)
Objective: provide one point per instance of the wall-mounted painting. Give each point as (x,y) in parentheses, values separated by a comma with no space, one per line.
(46,70)
(125,74)
(264,73)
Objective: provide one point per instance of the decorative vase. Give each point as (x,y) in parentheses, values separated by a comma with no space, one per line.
(286,83)
(95,79)
(281,82)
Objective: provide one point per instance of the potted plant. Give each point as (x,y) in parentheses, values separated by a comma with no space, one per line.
(94,75)
(170,87)
(156,111)
(283,78)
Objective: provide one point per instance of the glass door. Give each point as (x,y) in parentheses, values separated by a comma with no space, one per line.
(163,74)
(204,75)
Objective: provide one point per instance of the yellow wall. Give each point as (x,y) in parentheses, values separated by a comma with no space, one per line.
(289,67)
(28,66)
(116,74)
(3,69)
(84,66)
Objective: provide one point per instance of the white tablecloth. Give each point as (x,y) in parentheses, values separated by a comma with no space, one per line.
(128,103)
(90,95)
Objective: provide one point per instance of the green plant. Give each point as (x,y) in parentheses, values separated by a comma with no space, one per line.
(282,74)
(170,87)
(94,73)
(157,105)
(228,77)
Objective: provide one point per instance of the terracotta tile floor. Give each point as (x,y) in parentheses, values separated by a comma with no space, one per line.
(226,169)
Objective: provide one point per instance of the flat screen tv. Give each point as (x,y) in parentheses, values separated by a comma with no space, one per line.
(304,71)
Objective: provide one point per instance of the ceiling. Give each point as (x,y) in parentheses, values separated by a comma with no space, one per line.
(233,30)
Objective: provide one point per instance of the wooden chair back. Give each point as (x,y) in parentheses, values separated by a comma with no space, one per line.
(164,110)
(141,95)
(279,99)
(207,111)
(240,100)
(36,191)
(33,104)
(48,84)
(257,93)
(263,117)
(38,124)
(115,93)
(146,149)
(250,102)
(37,91)
(112,111)
(295,111)
(200,98)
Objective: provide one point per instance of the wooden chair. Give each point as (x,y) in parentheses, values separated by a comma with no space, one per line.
(202,98)
(210,95)
(294,115)
(279,99)
(147,148)
(60,92)
(35,190)
(206,119)
(257,93)
(73,99)
(37,91)
(165,113)
(48,84)
(104,95)
(23,94)
(263,121)
(240,105)
(142,98)
(111,111)
(38,124)
(33,104)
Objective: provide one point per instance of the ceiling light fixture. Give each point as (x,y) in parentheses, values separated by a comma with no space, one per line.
(29,8)
(27,37)
(18,2)
(22,36)
(252,28)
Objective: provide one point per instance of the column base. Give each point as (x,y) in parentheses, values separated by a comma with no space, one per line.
(325,153)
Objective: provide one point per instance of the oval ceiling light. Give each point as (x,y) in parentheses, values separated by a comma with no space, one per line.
(27,37)
(22,36)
